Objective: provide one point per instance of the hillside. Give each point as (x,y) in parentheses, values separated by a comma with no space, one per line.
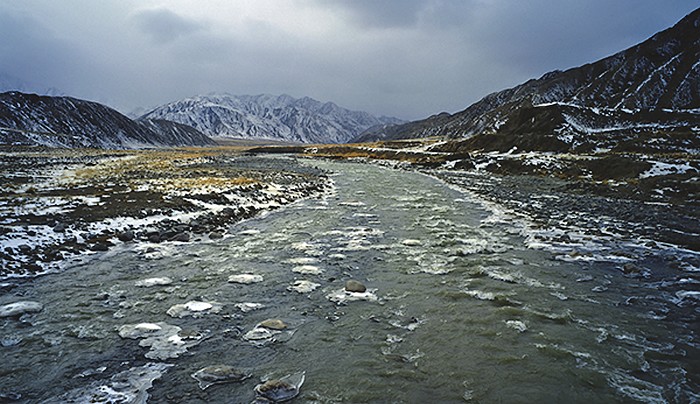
(619,97)
(70,122)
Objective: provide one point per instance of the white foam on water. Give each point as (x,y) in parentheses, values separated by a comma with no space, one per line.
(517,325)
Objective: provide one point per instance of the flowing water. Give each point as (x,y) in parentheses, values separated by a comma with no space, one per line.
(458,308)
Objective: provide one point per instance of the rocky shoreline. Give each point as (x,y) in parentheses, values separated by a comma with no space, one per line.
(580,225)
(59,204)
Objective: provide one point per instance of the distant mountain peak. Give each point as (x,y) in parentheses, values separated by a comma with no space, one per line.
(278,117)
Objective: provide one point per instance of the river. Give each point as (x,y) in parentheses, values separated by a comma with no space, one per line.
(458,308)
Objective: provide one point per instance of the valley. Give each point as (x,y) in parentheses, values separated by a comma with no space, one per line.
(540,245)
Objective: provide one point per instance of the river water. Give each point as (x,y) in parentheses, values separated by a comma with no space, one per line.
(458,309)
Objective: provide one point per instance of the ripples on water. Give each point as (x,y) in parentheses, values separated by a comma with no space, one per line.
(458,307)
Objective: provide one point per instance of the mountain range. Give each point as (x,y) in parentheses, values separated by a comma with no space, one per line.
(643,99)
(649,92)
(282,117)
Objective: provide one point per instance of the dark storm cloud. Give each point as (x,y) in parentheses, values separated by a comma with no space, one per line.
(164,26)
(31,53)
(408,58)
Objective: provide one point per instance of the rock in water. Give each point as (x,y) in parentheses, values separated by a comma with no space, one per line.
(355,286)
(280,390)
(126,236)
(19,308)
(273,324)
(218,374)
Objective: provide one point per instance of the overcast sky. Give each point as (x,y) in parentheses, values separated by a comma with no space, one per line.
(404,58)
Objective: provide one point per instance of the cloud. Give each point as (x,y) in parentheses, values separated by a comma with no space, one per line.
(408,58)
(164,26)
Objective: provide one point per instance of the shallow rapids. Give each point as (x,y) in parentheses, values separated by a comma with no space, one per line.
(458,307)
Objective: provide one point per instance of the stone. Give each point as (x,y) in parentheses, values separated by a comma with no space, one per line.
(99,247)
(126,236)
(273,324)
(283,389)
(184,237)
(59,228)
(215,374)
(215,235)
(355,286)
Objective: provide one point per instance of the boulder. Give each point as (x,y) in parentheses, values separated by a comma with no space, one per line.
(355,286)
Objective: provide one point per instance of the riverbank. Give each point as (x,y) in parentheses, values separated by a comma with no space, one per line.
(57,204)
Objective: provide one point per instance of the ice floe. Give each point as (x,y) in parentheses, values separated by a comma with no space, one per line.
(303,286)
(164,340)
(307,270)
(247,306)
(343,296)
(19,308)
(194,308)
(149,282)
(129,386)
(245,279)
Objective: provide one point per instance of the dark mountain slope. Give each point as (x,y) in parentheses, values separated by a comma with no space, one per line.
(661,73)
(70,122)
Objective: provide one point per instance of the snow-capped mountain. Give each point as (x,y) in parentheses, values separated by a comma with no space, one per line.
(70,122)
(621,94)
(270,117)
